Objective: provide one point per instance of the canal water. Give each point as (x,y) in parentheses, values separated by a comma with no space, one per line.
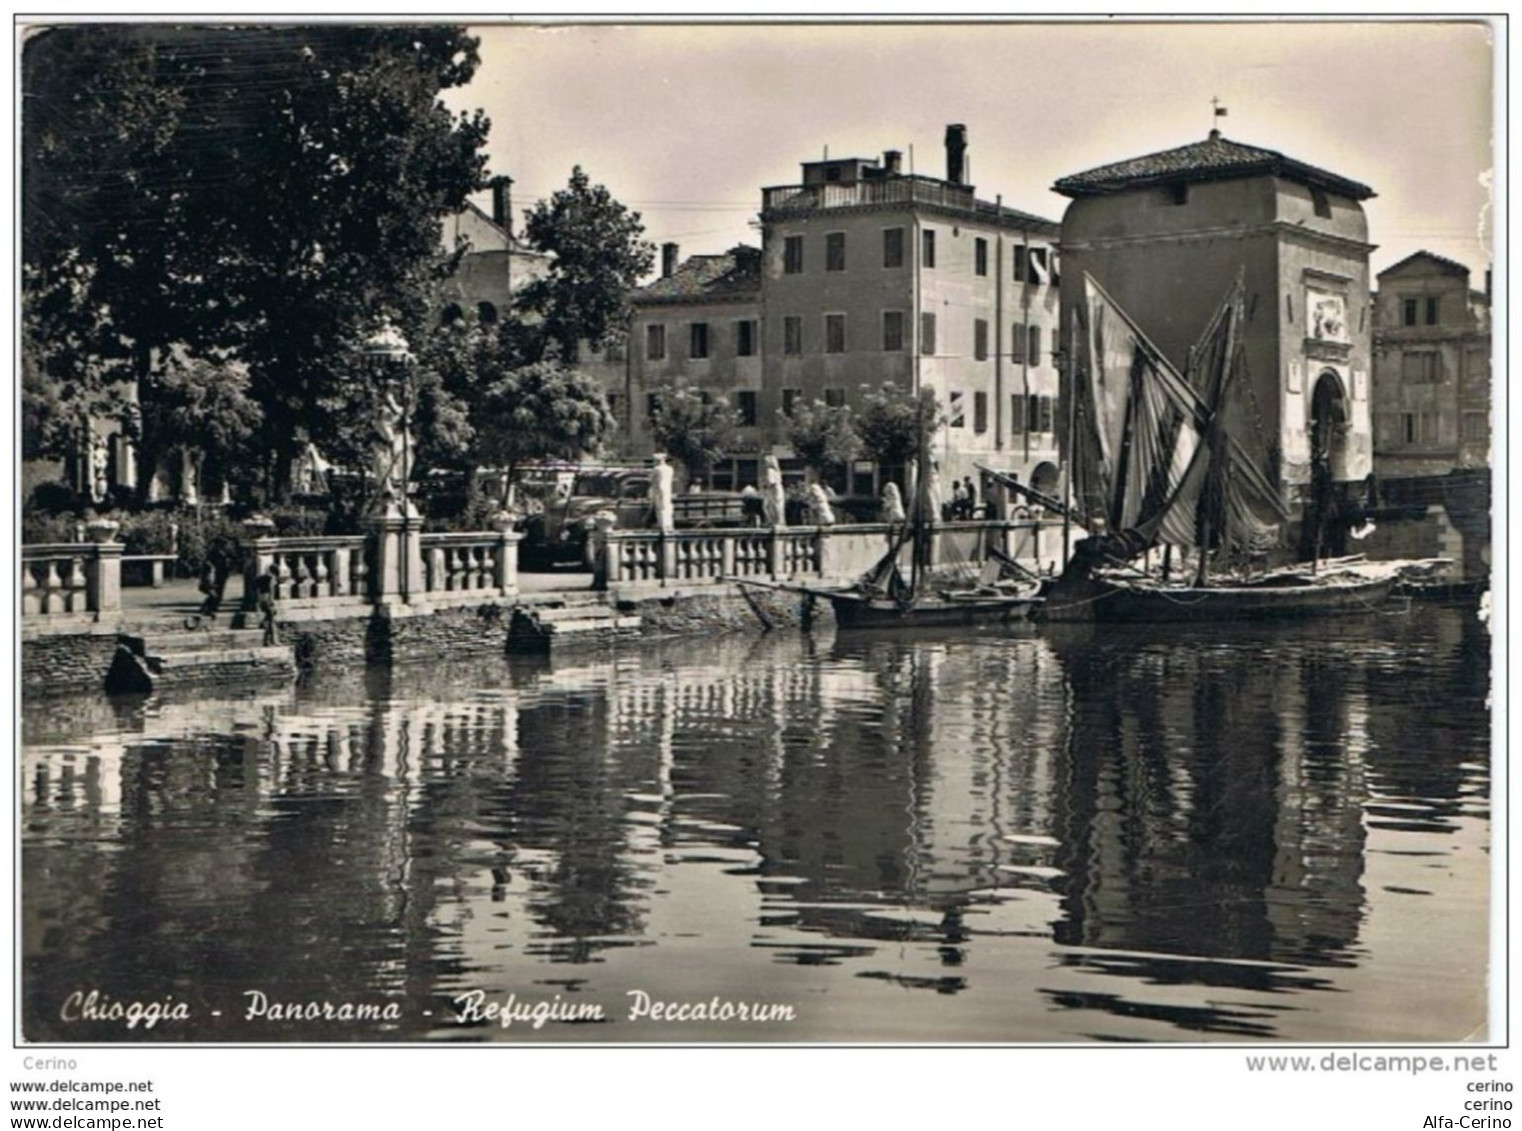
(1009,835)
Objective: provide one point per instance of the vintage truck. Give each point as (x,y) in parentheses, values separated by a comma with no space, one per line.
(561,533)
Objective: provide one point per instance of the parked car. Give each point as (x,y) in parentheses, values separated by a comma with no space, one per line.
(558,534)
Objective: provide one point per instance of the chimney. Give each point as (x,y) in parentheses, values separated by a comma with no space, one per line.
(502,203)
(956,153)
(892,160)
(1487,286)
(668,260)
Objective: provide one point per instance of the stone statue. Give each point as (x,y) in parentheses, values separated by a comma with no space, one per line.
(662,493)
(933,498)
(773,501)
(892,504)
(391,456)
(819,506)
(99,459)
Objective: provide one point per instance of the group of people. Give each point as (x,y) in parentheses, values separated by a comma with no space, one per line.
(964,500)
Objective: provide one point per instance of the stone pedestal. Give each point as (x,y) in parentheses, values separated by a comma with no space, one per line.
(398,559)
(103,576)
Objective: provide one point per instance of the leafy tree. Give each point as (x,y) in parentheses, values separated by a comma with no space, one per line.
(894,423)
(265,194)
(823,436)
(544,411)
(598,257)
(692,428)
(56,408)
(201,405)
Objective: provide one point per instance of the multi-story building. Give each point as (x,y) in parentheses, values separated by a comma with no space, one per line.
(1168,234)
(867,276)
(874,276)
(698,325)
(1431,369)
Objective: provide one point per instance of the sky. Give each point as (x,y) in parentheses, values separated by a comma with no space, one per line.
(685,123)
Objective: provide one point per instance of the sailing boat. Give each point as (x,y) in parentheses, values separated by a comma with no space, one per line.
(884,598)
(1154,448)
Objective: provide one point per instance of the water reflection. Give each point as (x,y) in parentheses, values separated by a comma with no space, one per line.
(1002,836)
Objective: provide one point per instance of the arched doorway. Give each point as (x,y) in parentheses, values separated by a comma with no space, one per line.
(1329,425)
(1324,528)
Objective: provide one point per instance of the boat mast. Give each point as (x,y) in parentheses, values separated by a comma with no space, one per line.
(921,556)
(1213,438)
(1072,456)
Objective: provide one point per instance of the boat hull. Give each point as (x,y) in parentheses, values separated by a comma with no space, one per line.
(855,613)
(1108,601)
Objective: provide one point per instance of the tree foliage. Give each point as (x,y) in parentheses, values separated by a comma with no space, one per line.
(265,194)
(823,436)
(894,423)
(598,257)
(544,411)
(692,428)
(202,405)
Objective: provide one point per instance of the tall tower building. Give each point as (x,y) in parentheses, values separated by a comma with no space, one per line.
(1167,234)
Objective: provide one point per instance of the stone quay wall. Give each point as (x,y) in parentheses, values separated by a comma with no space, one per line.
(399,594)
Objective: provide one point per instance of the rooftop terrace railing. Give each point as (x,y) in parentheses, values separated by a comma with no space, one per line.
(893,190)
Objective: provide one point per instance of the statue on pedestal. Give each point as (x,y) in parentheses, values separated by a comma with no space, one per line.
(391,457)
(820,512)
(773,500)
(99,461)
(662,493)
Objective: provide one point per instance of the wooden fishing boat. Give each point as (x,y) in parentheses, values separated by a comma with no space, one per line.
(928,596)
(1155,449)
(1109,597)
(857,609)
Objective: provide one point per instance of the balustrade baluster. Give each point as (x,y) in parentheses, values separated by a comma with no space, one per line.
(31,599)
(280,575)
(75,598)
(50,596)
(341,571)
(359,570)
(489,568)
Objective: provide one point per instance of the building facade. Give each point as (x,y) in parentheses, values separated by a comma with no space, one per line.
(866,276)
(874,276)
(697,325)
(1169,233)
(1431,385)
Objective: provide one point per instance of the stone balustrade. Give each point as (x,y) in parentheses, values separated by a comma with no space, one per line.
(469,568)
(313,573)
(805,553)
(396,569)
(71,582)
